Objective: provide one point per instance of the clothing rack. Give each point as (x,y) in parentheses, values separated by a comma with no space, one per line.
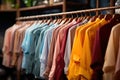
(66,13)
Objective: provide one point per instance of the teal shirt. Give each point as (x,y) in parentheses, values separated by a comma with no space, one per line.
(36,62)
(38,49)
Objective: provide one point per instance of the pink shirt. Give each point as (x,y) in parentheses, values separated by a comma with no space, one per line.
(57,49)
(8,45)
(17,52)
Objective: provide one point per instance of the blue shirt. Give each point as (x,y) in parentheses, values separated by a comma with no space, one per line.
(45,49)
(28,55)
(38,42)
(37,33)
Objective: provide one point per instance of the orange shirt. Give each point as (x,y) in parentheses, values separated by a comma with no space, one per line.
(76,50)
(87,48)
(80,60)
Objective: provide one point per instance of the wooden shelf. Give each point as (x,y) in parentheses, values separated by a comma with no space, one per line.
(41,6)
(64,6)
(8,10)
(50,6)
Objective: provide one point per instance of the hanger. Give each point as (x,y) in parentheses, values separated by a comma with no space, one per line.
(94,18)
(38,20)
(116,17)
(67,19)
(56,20)
(82,16)
(88,17)
(108,17)
(64,20)
(49,20)
(59,20)
(43,20)
(77,18)
(101,16)
(46,20)
(71,18)
(85,16)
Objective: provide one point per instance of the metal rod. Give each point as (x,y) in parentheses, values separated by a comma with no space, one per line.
(65,13)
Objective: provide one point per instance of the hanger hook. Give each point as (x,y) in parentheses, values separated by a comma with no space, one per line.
(81,14)
(72,15)
(90,14)
(77,15)
(55,17)
(51,17)
(37,18)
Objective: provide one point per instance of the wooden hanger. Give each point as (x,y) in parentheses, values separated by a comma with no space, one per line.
(108,17)
(43,20)
(65,19)
(55,20)
(62,21)
(82,16)
(101,16)
(88,17)
(116,17)
(94,18)
(48,21)
(71,18)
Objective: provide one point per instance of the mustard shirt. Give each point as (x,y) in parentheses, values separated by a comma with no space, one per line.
(79,61)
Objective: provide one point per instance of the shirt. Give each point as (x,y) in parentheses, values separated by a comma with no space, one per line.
(69,44)
(16,42)
(46,47)
(6,46)
(88,47)
(28,51)
(51,50)
(77,50)
(99,48)
(117,68)
(41,45)
(23,46)
(60,58)
(38,48)
(8,57)
(111,53)
(17,55)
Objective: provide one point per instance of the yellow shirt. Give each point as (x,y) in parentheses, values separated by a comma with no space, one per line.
(73,72)
(71,66)
(85,69)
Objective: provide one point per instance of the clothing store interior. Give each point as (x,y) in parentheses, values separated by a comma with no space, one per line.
(59,39)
